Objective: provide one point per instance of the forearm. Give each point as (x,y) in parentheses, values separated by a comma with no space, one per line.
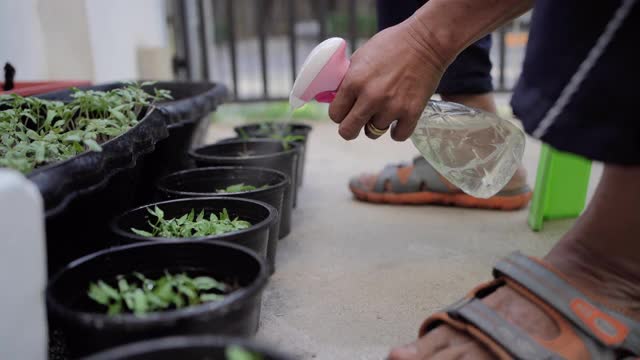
(446,27)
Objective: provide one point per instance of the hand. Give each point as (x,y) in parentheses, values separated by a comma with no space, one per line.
(391,77)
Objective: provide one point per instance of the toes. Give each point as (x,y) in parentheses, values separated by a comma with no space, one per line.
(469,350)
(364,181)
(407,352)
(443,342)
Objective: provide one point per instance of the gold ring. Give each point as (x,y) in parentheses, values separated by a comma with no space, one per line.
(375,131)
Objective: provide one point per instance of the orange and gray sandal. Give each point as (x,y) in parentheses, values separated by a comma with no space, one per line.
(588,329)
(421,184)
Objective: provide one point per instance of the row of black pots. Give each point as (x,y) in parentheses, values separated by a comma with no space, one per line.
(91,332)
(240,257)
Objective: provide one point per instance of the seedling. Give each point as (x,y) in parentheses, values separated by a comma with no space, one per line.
(235,352)
(34,132)
(189,225)
(236,188)
(274,131)
(288,139)
(140,295)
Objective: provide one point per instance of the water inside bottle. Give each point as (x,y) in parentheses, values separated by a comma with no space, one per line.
(477,151)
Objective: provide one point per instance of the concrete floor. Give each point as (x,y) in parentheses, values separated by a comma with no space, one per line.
(354,279)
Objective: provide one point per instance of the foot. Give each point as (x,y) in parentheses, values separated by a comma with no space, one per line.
(419,183)
(586,269)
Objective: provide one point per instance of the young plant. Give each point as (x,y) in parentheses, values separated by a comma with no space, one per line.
(34,132)
(189,225)
(274,131)
(140,295)
(241,187)
(288,140)
(235,352)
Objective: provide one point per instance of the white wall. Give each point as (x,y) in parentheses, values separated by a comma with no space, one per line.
(21,40)
(79,39)
(66,39)
(117,29)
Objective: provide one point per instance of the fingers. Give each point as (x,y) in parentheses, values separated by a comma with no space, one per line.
(405,126)
(381,121)
(359,115)
(342,104)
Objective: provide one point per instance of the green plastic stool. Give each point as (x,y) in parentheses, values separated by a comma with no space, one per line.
(561,187)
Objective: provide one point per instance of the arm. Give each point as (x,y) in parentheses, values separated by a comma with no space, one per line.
(394,74)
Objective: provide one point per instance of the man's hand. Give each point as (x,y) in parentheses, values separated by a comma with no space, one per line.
(390,78)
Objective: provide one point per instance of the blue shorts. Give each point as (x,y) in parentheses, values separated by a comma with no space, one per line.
(470,72)
(599,121)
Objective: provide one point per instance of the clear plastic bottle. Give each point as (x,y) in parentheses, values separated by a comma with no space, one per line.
(475,150)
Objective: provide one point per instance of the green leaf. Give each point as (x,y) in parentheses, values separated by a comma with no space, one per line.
(93,145)
(140,302)
(40,149)
(115,309)
(50,115)
(200,216)
(97,294)
(224,215)
(72,138)
(159,213)
(211,297)
(141,232)
(235,352)
(33,135)
(123,285)
(108,290)
(235,188)
(208,283)
(187,291)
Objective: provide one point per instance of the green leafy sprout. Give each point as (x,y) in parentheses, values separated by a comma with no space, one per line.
(189,225)
(35,132)
(241,187)
(140,295)
(235,352)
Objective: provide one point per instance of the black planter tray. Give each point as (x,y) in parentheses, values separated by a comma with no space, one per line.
(191,100)
(61,182)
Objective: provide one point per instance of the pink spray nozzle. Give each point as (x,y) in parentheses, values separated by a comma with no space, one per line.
(321,73)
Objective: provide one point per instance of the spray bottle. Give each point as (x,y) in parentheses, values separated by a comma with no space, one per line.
(475,150)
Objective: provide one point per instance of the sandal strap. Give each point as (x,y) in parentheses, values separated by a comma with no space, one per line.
(608,328)
(422,172)
(510,337)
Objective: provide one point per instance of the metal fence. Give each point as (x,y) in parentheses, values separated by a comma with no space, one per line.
(256,47)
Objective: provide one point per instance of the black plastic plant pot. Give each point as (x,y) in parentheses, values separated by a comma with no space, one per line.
(207,182)
(263,153)
(195,347)
(270,130)
(262,217)
(86,328)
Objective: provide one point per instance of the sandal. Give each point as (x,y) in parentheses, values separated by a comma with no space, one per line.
(588,329)
(420,183)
